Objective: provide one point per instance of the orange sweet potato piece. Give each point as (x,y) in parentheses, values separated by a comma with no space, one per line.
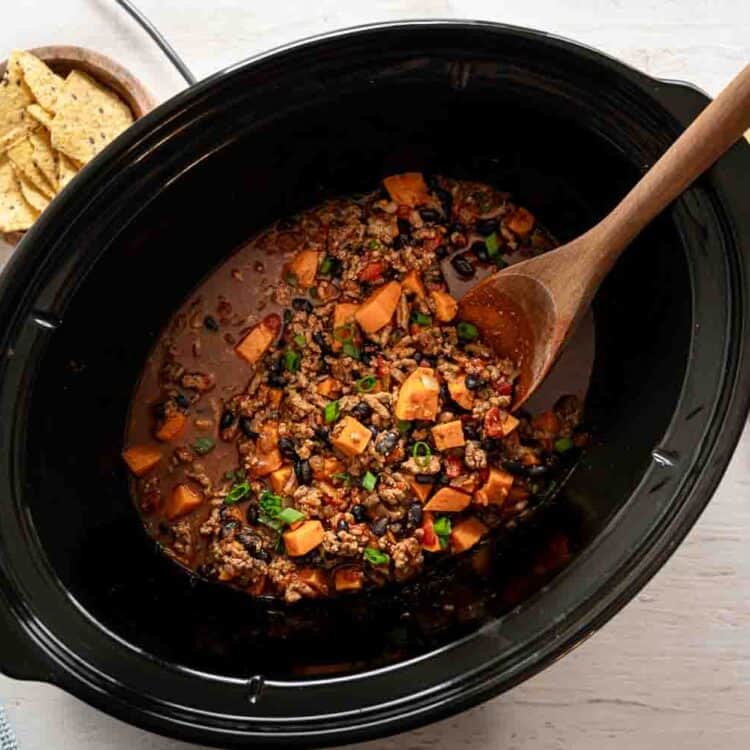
(460,393)
(255,344)
(343,315)
(269,436)
(182,500)
(467,533)
(350,436)
(448,435)
(448,500)
(307,536)
(495,489)
(330,466)
(418,396)
(262,464)
(430,541)
(407,189)
(280,477)
(328,387)
(315,578)
(304,267)
(348,579)
(377,310)
(546,422)
(141,458)
(422,491)
(446,306)
(172,426)
(256,588)
(274,396)
(521,221)
(412,282)
(509,424)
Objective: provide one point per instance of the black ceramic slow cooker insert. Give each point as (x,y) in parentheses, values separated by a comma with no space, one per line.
(88,603)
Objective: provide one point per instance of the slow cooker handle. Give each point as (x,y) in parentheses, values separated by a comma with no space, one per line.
(19,657)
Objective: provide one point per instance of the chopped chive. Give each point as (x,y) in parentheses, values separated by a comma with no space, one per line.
(366,384)
(331,412)
(292,360)
(422,453)
(467,331)
(493,246)
(403,426)
(421,319)
(237,492)
(300,340)
(369,480)
(442,529)
(344,333)
(290,516)
(563,444)
(350,350)
(204,445)
(375,556)
(326,266)
(373,245)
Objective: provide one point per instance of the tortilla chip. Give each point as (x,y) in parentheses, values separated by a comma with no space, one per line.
(88,116)
(66,171)
(22,155)
(40,114)
(15,213)
(32,196)
(15,96)
(45,86)
(44,157)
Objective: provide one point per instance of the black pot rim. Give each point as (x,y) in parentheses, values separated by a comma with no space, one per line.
(44,657)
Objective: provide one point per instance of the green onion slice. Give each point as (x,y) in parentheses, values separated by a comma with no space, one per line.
(422,453)
(292,360)
(563,444)
(369,480)
(375,556)
(421,319)
(366,384)
(331,411)
(467,331)
(403,426)
(350,350)
(204,445)
(290,516)
(237,492)
(493,246)
(300,340)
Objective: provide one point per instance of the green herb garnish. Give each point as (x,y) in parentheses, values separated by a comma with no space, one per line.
(369,480)
(403,426)
(375,556)
(421,319)
(269,503)
(442,529)
(326,266)
(366,384)
(331,412)
(237,492)
(292,360)
(466,331)
(350,350)
(204,445)
(373,245)
(290,516)
(422,453)
(300,340)
(493,246)
(563,444)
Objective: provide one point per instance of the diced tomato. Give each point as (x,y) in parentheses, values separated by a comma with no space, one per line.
(503,388)
(371,272)
(272,322)
(453,466)
(429,539)
(493,423)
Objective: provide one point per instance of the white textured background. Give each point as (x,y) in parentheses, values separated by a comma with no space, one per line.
(673,668)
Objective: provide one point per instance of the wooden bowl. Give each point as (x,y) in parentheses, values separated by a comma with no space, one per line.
(64,58)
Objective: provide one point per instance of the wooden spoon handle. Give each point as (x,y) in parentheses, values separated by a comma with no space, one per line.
(717,127)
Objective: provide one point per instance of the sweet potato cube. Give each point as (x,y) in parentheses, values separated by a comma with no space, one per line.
(172,426)
(407,189)
(430,541)
(377,310)
(182,500)
(280,478)
(350,436)
(412,282)
(448,500)
(495,489)
(421,491)
(520,221)
(343,315)
(274,396)
(348,579)
(262,464)
(256,343)
(328,387)
(446,306)
(305,537)
(448,435)
(460,393)
(329,466)
(304,267)
(315,578)
(418,396)
(269,436)
(509,424)
(256,588)
(467,533)
(141,458)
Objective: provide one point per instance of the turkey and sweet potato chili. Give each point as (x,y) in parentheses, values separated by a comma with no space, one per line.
(318,420)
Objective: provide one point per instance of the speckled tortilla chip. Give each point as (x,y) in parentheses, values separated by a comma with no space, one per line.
(40,114)
(87,118)
(15,213)
(43,84)
(44,157)
(66,171)
(22,155)
(32,196)
(15,96)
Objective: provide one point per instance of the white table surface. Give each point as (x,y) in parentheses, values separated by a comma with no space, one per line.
(673,668)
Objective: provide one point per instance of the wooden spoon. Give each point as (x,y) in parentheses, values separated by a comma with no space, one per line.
(527,311)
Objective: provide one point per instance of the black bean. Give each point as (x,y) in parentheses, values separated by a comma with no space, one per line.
(428,361)
(205,570)
(480,251)
(446,200)
(227,420)
(404,227)
(246,425)
(424,478)
(359,513)
(445,394)
(323,434)
(302,305)
(417,357)
(229,528)
(398,242)
(456,227)
(462,266)
(342,525)
(429,215)
(261,554)
(302,471)
(514,467)
(491,445)
(276,381)
(443,479)
(182,400)
(414,514)
(365,357)
(251,514)
(473,382)
(441,251)
(286,447)
(337,268)
(379,527)
(277,365)
(391,273)
(471,431)
(537,471)
(362,412)
(386,442)
(210,323)
(160,410)
(373,430)
(486,227)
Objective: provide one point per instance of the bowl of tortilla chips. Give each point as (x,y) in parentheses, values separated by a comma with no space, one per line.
(59,107)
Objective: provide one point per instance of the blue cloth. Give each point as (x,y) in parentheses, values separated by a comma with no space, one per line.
(7,740)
